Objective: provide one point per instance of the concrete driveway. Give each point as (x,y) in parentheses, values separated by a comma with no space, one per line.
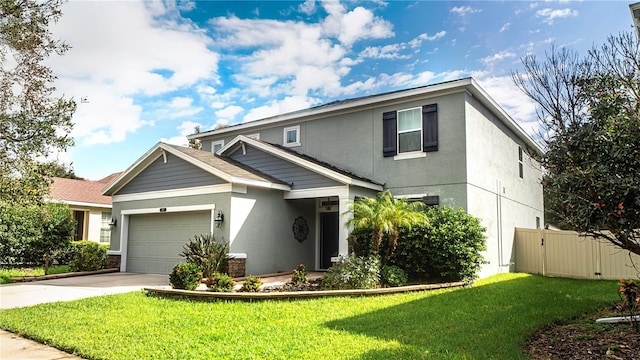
(74,288)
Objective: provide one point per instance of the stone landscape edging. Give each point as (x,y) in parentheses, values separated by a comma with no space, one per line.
(276,295)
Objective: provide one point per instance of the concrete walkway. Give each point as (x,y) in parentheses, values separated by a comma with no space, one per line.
(13,347)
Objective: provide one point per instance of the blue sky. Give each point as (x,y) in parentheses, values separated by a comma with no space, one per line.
(151,71)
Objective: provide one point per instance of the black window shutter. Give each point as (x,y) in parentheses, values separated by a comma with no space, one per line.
(430,128)
(389,134)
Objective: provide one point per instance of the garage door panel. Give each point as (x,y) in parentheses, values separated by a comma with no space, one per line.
(156,240)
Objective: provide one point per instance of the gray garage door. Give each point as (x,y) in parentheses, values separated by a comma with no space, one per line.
(156,240)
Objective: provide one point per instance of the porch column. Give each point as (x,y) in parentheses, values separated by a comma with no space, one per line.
(344,230)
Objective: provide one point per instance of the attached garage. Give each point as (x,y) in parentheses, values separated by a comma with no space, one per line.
(155,240)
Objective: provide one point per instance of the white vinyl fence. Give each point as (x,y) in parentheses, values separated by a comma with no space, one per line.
(568,254)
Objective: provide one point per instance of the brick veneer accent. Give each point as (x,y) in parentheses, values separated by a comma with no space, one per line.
(236,267)
(113,261)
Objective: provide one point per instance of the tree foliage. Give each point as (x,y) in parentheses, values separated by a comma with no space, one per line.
(384,215)
(589,109)
(34,121)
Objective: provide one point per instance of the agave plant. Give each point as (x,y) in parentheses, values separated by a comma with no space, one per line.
(203,250)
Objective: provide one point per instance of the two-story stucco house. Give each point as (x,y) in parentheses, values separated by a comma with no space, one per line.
(278,189)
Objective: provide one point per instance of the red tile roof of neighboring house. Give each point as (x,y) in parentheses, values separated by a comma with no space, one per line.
(81,191)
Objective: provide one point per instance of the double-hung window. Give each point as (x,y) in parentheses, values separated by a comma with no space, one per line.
(410,131)
(105,228)
(217,145)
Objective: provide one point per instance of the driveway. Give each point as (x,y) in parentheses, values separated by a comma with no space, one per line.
(73,288)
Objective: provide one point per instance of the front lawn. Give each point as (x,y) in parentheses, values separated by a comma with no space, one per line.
(6,274)
(490,320)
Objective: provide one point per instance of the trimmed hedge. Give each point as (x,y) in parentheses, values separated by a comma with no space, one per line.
(87,256)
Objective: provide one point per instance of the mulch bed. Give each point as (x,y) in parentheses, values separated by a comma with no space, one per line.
(584,339)
(311,285)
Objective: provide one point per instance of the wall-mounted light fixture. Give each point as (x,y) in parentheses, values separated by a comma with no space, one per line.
(219,219)
(113,222)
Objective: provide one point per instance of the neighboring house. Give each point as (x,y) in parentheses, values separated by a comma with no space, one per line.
(635,16)
(278,189)
(91,209)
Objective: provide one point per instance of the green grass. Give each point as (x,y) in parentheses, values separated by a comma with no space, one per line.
(7,274)
(488,321)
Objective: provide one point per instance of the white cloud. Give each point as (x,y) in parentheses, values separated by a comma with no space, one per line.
(185,128)
(393,51)
(550,15)
(464,10)
(276,107)
(308,7)
(119,54)
(228,114)
(354,25)
(498,57)
(505,27)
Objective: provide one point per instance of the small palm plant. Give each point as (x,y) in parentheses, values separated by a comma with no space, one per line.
(384,215)
(204,251)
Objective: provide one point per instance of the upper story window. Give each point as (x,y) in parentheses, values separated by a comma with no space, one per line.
(407,131)
(291,136)
(520,163)
(217,145)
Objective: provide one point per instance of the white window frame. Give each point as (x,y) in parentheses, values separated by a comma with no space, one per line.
(284,136)
(214,143)
(105,227)
(254,136)
(403,154)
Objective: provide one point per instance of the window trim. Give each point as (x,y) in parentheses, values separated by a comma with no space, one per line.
(255,136)
(520,163)
(398,132)
(217,142)
(284,136)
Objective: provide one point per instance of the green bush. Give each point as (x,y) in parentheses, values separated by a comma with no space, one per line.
(446,247)
(19,228)
(220,282)
(203,250)
(251,284)
(361,242)
(88,256)
(299,275)
(393,276)
(353,272)
(185,276)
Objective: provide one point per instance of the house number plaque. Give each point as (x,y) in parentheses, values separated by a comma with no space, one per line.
(300,229)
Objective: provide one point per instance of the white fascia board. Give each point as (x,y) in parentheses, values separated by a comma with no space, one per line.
(302,162)
(262,184)
(317,192)
(163,194)
(168,209)
(366,185)
(348,106)
(86,204)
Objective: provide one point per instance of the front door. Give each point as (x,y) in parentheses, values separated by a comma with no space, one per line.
(329,222)
(79,233)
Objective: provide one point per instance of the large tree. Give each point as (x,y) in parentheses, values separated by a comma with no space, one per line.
(589,109)
(34,121)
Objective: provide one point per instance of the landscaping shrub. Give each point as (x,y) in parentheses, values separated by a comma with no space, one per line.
(251,284)
(353,272)
(88,256)
(220,282)
(185,276)
(446,247)
(19,228)
(392,276)
(299,275)
(65,255)
(361,242)
(203,250)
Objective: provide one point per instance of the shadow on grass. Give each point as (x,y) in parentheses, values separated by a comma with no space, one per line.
(490,321)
